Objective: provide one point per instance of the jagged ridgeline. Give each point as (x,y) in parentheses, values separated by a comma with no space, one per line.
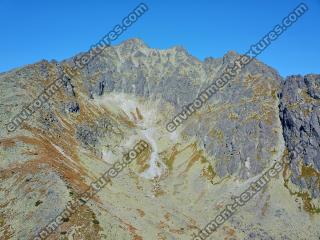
(183,178)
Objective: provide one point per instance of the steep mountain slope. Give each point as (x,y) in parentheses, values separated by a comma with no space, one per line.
(181,182)
(300,115)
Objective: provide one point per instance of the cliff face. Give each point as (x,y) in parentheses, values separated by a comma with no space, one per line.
(129,93)
(300,115)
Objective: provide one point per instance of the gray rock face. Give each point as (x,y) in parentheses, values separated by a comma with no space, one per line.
(313,85)
(300,116)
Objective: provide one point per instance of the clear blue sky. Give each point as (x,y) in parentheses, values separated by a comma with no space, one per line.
(37,29)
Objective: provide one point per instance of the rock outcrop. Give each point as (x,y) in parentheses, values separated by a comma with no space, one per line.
(300,117)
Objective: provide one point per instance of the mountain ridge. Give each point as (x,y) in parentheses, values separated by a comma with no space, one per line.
(256,119)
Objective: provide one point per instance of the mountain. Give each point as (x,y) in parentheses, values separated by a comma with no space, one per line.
(184,178)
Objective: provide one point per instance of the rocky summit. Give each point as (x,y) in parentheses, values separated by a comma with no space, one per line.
(183,179)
